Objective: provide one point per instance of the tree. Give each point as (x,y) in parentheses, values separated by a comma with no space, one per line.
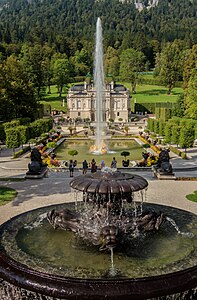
(156,126)
(187,136)
(111,62)
(178,109)
(70,128)
(48,53)
(34,62)
(126,129)
(161,127)
(170,64)
(168,132)
(189,64)
(17,97)
(175,134)
(131,63)
(151,124)
(125,153)
(62,73)
(82,62)
(191,96)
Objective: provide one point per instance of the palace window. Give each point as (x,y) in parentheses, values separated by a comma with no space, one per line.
(79,104)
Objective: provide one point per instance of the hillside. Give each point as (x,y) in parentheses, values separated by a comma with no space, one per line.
(71,23)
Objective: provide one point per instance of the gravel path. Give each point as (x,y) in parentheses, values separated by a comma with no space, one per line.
(55,189)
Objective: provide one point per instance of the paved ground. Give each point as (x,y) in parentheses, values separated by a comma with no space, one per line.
(56,189)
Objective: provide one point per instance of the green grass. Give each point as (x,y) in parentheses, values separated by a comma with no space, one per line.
(153,93)
(192,197)
(6,195)
(54,100)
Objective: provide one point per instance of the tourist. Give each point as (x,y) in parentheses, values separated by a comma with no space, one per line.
(102,164)
(85,166)
(93,166)
(113,163)
(71,167)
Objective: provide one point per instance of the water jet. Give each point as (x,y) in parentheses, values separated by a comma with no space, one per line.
(40,262)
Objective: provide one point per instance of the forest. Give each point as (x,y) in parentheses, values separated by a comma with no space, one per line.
(69,25)
(51,42)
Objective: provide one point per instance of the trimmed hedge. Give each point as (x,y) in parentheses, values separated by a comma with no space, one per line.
(178,152)
(163,109)
(11,124)
(19,134)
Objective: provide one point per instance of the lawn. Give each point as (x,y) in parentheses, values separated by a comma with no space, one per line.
(6,195)
(54,100)
(154,93)
(192,197)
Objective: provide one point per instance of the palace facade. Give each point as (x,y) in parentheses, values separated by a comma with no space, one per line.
(116,102)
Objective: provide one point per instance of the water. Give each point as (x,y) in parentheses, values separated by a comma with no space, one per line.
(83,147)
(32,241)
(189,234)
(99,86)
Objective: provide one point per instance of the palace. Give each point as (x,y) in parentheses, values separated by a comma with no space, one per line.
(116,102)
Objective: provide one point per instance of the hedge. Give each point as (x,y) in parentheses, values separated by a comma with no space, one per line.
(163,108)
(11,124)
(19,134)
(13,138)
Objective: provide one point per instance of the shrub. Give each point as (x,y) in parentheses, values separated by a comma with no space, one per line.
(146,146)
(21,152)
(183,155)
(11,124)
(73,152)
(12,138)
(51,145)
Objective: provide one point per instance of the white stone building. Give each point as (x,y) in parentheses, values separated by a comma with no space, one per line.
(116,102)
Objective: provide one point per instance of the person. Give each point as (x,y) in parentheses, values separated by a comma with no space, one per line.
(71,167)
(102,164)
(85,166)
(145,156)
(113,163)
(93,166)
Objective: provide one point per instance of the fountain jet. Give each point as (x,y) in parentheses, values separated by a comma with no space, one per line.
(99,84)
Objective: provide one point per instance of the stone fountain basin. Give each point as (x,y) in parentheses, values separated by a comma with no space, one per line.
(63,287)
(109,183)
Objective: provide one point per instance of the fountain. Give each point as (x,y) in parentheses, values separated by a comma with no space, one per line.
(112,246)
(99,83)
(143,253)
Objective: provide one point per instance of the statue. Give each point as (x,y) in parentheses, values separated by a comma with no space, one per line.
(107,236)
(163,165)
(36,166)
(107,221)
